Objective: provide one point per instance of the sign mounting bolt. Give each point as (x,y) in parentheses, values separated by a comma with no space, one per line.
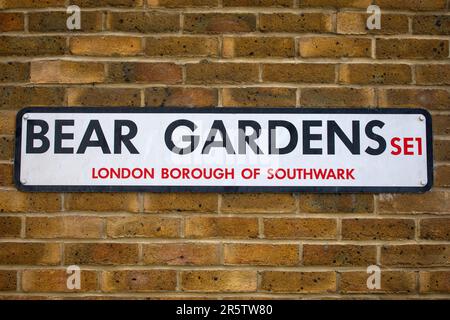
(421,118)
(423,183)
(26,116)
(23,181)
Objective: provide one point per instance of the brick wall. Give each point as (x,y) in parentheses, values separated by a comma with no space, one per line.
(204,53)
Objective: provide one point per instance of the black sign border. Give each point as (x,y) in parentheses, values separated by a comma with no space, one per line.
(223,189)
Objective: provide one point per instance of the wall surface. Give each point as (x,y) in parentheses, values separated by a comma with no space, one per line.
(218,53)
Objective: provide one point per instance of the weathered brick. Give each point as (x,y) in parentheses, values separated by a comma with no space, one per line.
(214,73)
(219,22)
(14,201)
(258,47)
(298,282)
(180,202)
(258,203)
(29,253)
(105,46)
(55,21)
(7,122)
(64,227)
(336,203)
(365,73)
(182,46)
(299,73)
(17,97)
(181,97)
(66,72)
(442,176)
(108,97)
(32,46)
(139,280)
(295,228)
(11,21)
(101,253)
(356,23)
(338,255)
(13,4)
(143,226)
(415,255)
(55,280)
(182,3)
(296,23)
(101,202)
(180,254)
(435,229)
(14,72)
(439,25)
(107,3)
(432,99)
(219,281)
(257,3)
(415,5)
(337,97)
(378,229)
(10,227)
(261,254)
(8,280)
(6,175)
(259,97)
(434,281)
(361,4)
(435,201)
(6,147)
(143,22)
(221,227)
(334,47)
(433,74)
(441,150)
(131,72)
(391,282)
(411,49)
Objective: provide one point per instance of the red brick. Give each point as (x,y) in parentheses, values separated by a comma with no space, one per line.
(57,22)
(8,280)
(106,97)
(433,74)
(439,25)
(258,203)
(435,201)
(361,4)
(143,22)
(6,175)
(257,3)
(11,21)
(218,73)
(299,73)
(105,46)
(356,23)
(336,203)
(182,47)
(432,99)
(435,229)
(10,227)
(66,72)
(14,201)
(14,72)
(334,47)
(131,72)
(442,176)
(12,97)
(362,73)
(435,282)
(415,5)
(32,46)
(296,23)
(258,47)
(14,4)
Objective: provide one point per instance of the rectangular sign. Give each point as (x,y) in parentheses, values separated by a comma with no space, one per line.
(223,150)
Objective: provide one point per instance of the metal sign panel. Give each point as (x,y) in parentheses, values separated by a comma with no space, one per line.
(223,150)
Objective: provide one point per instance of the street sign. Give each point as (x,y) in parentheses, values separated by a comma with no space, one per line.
(223,150)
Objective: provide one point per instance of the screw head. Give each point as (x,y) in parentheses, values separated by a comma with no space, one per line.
(421,118)
(26,116)
(423,183)
(23,181)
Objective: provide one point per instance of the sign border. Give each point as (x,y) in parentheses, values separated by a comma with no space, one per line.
(222,189)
